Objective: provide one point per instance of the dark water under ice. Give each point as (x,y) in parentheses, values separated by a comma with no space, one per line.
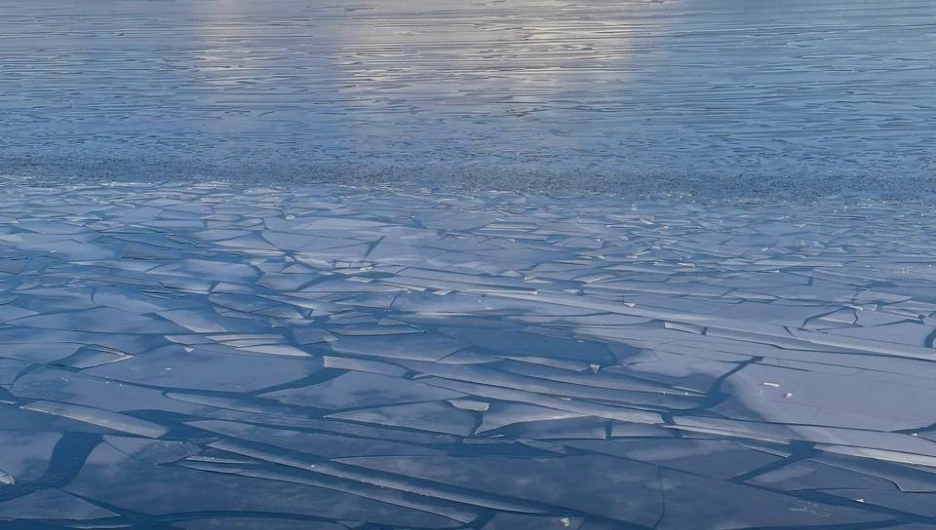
(788,98)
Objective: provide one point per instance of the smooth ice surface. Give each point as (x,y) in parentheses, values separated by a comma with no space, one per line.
(712,97)
(507,361)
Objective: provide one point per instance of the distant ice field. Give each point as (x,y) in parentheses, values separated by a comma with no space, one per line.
(714,98)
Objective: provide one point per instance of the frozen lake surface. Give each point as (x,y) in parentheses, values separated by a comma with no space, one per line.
(331,323)
(785,98)
(202,357)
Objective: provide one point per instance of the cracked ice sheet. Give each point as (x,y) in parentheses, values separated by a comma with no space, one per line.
(319,444)
(78,388)
(882,446)
(510,521)
(430,416)
(593,483)
(688,498)
(254,523)
(407,346)
(578,483)
(101,320)
(786,395)
(10,369)
(101,418)
(518,305)
(198,367)
(26,455)
(359,389)
(814,475)
(52,504)
(606,392)
(244,411)
(905,478)
(722,459)
(112,477)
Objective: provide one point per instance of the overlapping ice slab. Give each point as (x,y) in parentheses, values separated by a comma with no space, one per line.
(201,357)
